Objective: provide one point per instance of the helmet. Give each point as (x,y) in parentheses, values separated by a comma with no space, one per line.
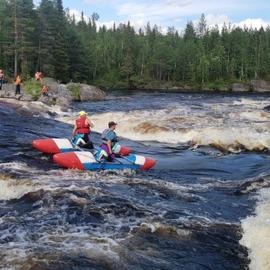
(82,113)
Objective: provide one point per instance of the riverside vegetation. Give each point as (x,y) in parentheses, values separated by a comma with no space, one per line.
(48,38)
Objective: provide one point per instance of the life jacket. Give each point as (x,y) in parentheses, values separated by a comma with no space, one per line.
(82,127)
(38,76)
(45,89)
(18,81)
(105,134)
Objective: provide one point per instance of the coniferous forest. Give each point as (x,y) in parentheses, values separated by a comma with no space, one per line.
(49,39)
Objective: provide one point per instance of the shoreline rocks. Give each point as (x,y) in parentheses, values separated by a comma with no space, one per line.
(240,87)
(84,92)
(260,86)
(59,94)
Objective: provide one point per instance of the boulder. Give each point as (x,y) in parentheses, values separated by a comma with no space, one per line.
(26,97)
(8,91)
(260,86)
(56,89)
(240,87)
(58,93)
(85,92)
(89,93)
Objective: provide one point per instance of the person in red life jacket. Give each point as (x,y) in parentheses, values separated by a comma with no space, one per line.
(45,90)
(2,76)
(81,131)
(38,76)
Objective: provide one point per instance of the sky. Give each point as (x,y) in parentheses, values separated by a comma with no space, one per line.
(167,13)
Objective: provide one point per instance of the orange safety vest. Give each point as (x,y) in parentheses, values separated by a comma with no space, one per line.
(45,89)
(18,81)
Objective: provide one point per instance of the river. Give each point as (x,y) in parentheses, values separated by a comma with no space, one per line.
(206,205)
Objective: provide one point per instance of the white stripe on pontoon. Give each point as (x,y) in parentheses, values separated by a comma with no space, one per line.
(86,157)
(140,160)
(63,143)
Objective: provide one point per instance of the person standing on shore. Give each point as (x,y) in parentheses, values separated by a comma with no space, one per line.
(2,76)
(38,76)
(18,83)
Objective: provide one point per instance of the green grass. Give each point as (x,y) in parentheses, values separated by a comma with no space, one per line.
(32,88)
(75,91)
(217,86)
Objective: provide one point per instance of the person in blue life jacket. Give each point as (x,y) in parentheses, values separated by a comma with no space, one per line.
(109,144)
(81,131)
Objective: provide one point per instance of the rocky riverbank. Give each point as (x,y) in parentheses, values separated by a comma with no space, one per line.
(59,95)
(253,86)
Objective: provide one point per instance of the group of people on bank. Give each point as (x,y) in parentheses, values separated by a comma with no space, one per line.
(18,83)
(81,137)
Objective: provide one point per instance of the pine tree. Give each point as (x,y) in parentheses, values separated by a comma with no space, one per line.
(60,50)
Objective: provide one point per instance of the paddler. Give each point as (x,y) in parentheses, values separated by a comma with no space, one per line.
(109,145)
(81,131)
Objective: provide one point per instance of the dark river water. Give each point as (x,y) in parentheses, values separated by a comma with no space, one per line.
(204,206)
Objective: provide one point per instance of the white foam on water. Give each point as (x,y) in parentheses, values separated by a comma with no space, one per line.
(230,126)
(156,226)
(14,189)
(256,233)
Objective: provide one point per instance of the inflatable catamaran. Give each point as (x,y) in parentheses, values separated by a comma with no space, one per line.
(56,146)
(67,155)
(87,161)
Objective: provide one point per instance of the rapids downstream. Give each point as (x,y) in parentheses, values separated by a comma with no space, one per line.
(206,205)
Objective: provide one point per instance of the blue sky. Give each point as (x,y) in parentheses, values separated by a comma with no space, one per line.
(175,12)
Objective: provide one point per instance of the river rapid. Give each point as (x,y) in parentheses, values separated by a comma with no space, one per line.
(206,205)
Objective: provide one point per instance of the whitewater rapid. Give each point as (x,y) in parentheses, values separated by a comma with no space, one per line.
(193,211)
(228,126)
(256,235)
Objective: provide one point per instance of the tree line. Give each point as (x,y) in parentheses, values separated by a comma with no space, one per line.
(49,39)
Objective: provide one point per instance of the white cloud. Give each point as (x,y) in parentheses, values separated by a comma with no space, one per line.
(169,12)
(166,13)
(109,24)
(219,20)
(77,15)
(253,23)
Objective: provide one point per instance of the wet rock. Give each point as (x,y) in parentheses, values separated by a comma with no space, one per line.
(267,108)
(46,99)
(260,86)
(58,93)
(8,91)
(26,97)
(240,87)
(89,92)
